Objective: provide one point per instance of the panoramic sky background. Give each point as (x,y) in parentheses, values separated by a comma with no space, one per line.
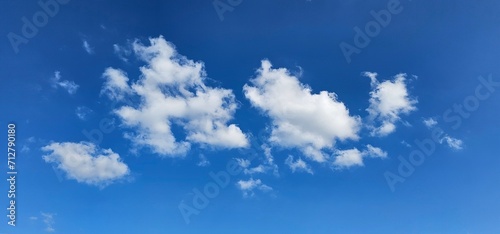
(227,116)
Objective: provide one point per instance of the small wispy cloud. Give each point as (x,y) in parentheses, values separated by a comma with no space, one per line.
(405,144)
(87,47)
(26,146)
(453,143)
(248,187)
(354,157)
(298,165)
(25,149)
(262,168)
(48,219)
(70,86)
(82,112)
(430,122)
(122,52)
(203,161)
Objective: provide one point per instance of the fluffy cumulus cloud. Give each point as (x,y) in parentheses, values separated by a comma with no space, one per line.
(86,163)
(172,90)
(354,157)
(348,158)
(298,165)
(311,122)
(388,101)
(248,187)
(57,82)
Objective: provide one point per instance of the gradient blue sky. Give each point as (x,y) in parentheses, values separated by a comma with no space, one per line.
(442,46)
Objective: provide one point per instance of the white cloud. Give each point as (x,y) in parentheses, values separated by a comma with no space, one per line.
(453,143)
(253,170)
(298,165)
(70,86)
(86,163)
(354,157)
(87,47)
(82,112)
(388,100)
(348,158)
(172,90)
(375,152)
(248,187)
(430,122)
(300,119)
(244,163)
(48,220)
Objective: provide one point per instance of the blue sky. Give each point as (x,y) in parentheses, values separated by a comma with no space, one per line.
(302,116)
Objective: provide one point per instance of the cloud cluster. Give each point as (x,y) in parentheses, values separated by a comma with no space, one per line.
(388,101)
(171,90)
(86,163)
(300,119)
